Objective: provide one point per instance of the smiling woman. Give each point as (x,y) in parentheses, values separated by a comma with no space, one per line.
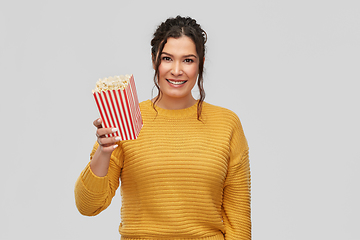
(187,40)
(187,175)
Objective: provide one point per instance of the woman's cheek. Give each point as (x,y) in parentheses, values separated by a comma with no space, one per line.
(192,71)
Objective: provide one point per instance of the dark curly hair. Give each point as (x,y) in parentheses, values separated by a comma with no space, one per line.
(176,28)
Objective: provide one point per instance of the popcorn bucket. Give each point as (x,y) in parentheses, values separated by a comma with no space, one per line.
(120,109)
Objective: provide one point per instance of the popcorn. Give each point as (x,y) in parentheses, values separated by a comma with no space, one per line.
(112,83)
(118,105)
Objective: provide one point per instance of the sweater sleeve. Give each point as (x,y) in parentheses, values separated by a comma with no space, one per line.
(93,194)
(236,193)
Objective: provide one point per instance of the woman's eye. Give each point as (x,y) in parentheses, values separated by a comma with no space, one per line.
(166,58)
(188,60)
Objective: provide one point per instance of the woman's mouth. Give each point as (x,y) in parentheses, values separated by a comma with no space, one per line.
(176,82)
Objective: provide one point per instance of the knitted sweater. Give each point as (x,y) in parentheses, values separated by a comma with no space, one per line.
(180,179)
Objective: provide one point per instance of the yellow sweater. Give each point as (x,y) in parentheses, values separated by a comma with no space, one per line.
(181,179)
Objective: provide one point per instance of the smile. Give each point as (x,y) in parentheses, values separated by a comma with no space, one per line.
(177,82)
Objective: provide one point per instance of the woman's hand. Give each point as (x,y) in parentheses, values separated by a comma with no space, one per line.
(100,162)
(106,144)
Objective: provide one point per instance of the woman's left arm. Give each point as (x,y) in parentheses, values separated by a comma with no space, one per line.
(236,198)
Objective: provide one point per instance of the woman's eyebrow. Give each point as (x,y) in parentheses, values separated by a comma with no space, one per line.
(191,55)
(186,56)
(166,54)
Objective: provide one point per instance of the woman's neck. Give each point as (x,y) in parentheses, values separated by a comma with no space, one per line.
(175,103)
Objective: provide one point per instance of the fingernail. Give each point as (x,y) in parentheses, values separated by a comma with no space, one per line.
(99,121)
(114,130)
(118,138)
(115,146)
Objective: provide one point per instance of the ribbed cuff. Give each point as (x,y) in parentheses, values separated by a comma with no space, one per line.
(216,237)
(92,182)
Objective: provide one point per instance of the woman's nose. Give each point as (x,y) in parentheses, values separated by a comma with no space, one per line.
(176,69)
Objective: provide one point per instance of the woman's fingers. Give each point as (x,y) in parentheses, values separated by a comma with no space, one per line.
(101,132)
(107,141)
(107,144)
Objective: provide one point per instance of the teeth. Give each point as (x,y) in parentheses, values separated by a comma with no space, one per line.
(176,83)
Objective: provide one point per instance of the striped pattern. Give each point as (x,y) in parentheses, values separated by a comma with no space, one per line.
(120,109)
(180,179)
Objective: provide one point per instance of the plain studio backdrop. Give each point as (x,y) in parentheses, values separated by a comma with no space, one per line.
(289,69)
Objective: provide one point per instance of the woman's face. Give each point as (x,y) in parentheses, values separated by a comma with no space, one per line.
(178,69)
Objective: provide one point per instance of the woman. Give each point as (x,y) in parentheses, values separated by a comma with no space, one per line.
(187,175)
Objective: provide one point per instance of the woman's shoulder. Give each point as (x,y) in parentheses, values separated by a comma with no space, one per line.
(222,115)
(218,110)
(223,119)
(146,108)
(145,105)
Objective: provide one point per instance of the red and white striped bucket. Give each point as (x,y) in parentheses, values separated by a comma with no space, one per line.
(120,109)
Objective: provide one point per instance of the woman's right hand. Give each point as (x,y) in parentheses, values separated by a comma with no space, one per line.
(101,159)
(106,144)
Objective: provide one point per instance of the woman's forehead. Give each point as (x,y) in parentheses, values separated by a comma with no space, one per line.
(180,46)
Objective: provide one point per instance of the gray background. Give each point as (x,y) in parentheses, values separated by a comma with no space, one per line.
(289,69)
